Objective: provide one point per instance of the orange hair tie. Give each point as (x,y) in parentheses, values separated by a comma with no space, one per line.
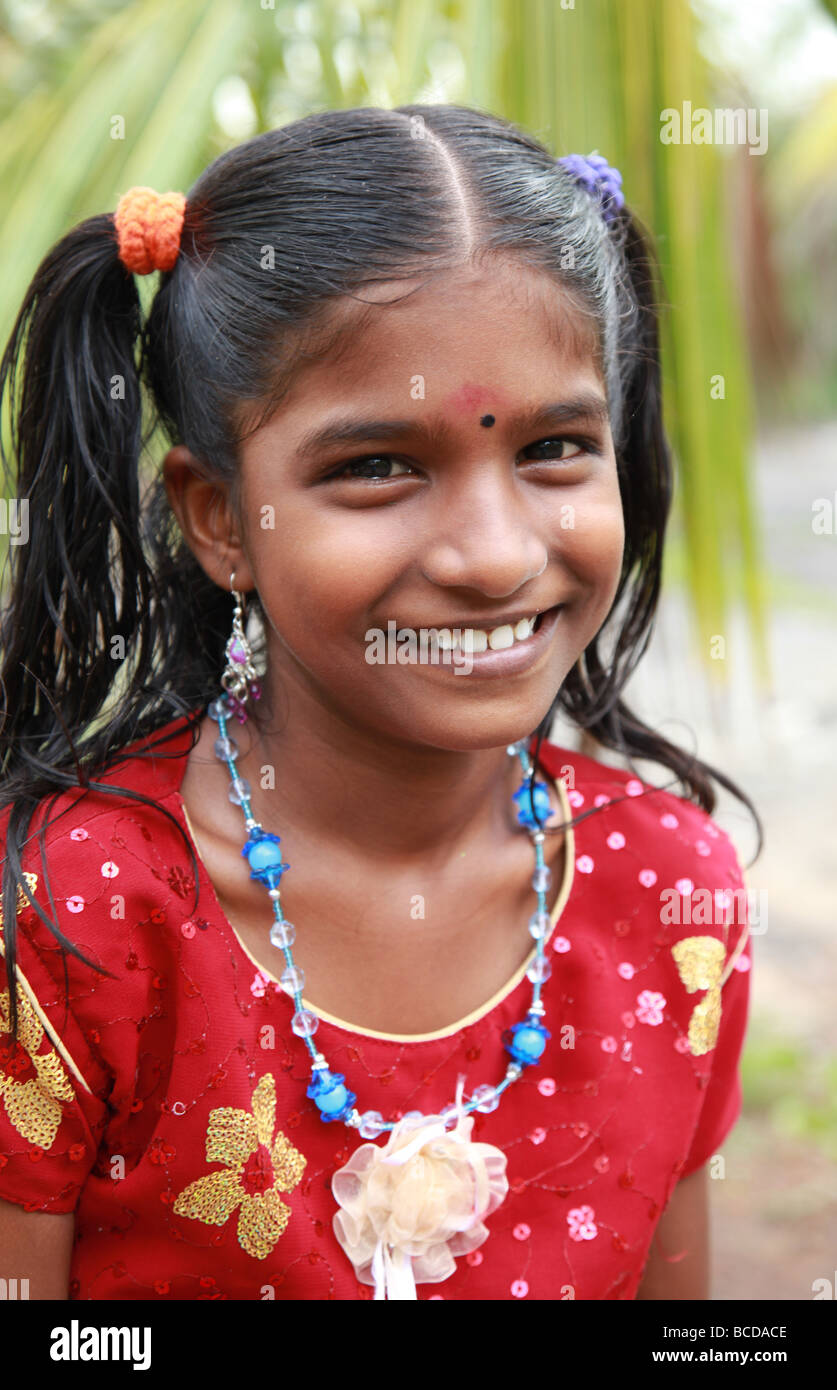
(148,225)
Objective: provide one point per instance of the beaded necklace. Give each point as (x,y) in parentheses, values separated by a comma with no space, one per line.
(394,1270)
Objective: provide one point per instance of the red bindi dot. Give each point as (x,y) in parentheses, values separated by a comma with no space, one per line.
(488,421)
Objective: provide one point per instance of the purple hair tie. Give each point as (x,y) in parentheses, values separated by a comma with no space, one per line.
(593,172)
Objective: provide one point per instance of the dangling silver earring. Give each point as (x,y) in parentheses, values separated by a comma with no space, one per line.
(239,672)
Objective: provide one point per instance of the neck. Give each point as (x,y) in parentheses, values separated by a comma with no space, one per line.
(361,789)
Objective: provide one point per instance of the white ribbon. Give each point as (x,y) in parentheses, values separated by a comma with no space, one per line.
(393,1276)
(393,1270)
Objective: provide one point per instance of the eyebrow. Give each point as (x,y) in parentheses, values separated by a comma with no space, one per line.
(586,406)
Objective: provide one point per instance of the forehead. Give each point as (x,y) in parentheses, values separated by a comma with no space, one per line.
(472,338)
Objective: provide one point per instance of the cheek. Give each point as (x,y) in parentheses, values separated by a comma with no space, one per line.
(316,575)
(593,545)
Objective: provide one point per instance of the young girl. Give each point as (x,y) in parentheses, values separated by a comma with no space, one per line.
(472,1030)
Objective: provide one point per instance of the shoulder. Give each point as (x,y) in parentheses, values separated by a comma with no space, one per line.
(660,878)
(663,912)
(104,865)
(654,821)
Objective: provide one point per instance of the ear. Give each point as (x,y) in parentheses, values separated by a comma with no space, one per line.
(203,507)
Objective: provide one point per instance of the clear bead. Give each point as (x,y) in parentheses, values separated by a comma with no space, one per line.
(304,1023)
(541,879)
(226,748)
(216,709)
(539,970)
(371,1124)
(292,979)
(539,925)
(282,934)
(240,793)
(487,1099)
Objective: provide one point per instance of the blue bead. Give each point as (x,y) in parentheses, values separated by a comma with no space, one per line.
(540,796)
(264,857)
(527,1042)
(333,1099)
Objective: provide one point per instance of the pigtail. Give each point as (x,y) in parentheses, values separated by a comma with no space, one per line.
(80,590)
(591,693)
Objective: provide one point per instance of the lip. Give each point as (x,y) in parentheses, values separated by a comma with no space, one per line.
(491,620)
(512,660)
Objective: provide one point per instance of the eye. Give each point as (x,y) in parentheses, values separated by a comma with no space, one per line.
(374,467)
(556,444)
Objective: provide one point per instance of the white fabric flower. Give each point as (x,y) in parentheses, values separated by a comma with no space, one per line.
(407,1208)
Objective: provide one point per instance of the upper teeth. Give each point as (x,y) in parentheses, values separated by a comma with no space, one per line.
(477,639)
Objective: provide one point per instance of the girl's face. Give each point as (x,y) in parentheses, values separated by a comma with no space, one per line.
(470,478)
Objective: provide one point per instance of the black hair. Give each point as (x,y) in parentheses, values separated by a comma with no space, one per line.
(275,231)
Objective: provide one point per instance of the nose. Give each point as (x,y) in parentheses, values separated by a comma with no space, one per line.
(488,536)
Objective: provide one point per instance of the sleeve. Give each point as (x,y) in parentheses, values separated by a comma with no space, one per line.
(722,1101)
(51,1122)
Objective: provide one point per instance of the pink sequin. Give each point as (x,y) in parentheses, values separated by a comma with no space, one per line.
(601,800)
(743,963)
(668,821)
(474,1257)
(609,1044)
(581,1223)
(109,869)
(702,848)
(633,787)
(522,1231)
(188,930)
(575,798)
(546,1086)
(685,886)
(682,1045)
(75,904)
(628,1020)
(616,840)
(651,1005)
(519,1288)
(602,1163)
(647,878)
(537,1136)
(584,864)
(625,969)
(178,1108)
(78,834)
(561,945)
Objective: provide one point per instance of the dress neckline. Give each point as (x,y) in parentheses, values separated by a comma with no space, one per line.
(452,1028)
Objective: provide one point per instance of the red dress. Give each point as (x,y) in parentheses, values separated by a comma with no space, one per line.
(179,1073)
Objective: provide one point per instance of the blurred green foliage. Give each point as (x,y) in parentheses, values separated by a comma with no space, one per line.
(792,1084)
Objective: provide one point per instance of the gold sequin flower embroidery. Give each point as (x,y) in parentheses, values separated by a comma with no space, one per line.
(700,962)
(257,1168)
(32,1083)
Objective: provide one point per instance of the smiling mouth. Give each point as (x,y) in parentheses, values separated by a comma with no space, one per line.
(500,638)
